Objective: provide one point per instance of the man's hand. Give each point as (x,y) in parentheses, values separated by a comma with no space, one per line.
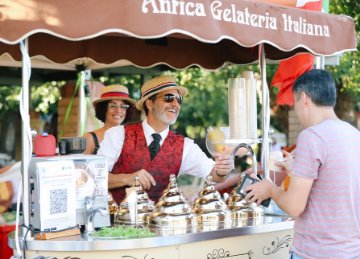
(145,178)
(222,168)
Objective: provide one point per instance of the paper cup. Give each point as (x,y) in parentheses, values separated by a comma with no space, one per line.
(273,158)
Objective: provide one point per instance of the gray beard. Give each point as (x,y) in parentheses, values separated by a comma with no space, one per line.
(163,118)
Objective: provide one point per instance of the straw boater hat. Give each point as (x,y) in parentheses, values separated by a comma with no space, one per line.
(114,92)
(157,85)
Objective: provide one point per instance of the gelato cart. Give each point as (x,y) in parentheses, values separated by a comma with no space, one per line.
(209,228)
(269,239)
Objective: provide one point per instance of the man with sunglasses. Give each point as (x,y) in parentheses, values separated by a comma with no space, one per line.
(129,148)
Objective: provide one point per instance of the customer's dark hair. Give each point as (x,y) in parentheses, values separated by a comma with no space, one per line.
(101,109)
(319,85)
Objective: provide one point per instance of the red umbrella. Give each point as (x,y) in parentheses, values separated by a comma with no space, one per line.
(293,67)
(286,75)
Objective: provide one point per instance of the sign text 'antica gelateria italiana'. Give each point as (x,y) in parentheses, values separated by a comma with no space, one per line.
(218,10)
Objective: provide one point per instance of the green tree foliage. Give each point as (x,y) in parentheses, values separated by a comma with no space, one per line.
(206,104)
(9,99)
(347,73)
(43,98)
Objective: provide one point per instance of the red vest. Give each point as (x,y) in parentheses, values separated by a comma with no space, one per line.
(135,155)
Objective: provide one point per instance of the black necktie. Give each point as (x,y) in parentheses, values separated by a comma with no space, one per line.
(155,145)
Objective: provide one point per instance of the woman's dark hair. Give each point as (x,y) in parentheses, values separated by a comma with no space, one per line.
(101,109)
(319,85)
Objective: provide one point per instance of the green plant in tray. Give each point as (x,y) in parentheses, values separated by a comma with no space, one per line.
(123,232)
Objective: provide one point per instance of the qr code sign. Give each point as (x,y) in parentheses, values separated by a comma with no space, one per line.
(58,201)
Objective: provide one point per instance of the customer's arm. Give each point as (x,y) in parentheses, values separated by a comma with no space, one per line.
(293,201)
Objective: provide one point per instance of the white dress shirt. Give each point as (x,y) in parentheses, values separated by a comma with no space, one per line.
(194,160)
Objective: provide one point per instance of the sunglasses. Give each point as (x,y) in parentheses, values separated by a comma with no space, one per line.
(169,98)
(114,106)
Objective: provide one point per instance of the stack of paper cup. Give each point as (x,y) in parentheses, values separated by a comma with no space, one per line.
(237,108)
(242,106)
(251,104)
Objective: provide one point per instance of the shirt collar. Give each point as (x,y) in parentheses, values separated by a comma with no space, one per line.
(148,131)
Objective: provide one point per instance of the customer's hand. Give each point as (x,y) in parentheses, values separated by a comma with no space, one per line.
(258,192)
(287,162)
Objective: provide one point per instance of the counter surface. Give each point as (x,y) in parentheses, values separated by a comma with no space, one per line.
(165,237)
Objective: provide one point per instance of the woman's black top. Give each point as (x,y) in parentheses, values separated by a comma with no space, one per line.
(96,142)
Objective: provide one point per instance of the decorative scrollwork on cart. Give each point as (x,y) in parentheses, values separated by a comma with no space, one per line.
(132,257)
(71,257)
(277,244)
(53,257)
(221,253)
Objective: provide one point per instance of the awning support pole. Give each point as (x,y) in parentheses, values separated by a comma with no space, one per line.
(265,112)
(26,139)
(82,104)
